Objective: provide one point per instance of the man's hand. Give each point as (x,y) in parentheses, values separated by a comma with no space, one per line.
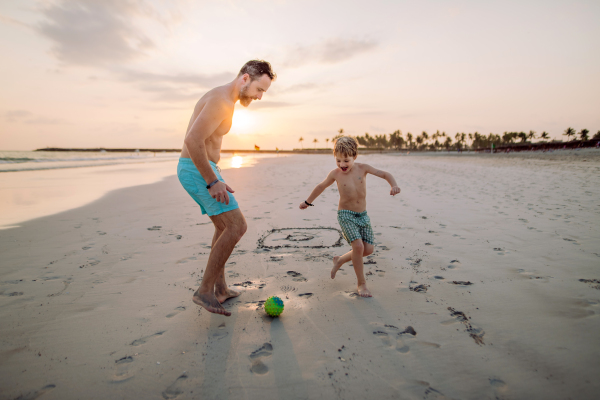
(219,192)
(303,206)
(395,190)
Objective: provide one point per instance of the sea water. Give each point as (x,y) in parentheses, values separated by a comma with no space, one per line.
(36,184)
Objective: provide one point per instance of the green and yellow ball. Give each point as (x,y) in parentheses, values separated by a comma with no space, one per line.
(274,306)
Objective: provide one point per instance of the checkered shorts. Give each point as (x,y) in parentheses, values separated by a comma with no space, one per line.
(356,225)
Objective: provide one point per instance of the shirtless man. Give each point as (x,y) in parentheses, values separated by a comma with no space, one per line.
(201,178)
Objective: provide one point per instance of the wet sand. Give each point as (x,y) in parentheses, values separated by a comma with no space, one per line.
(485,280)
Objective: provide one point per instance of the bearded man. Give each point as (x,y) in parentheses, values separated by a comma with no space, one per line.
(200,176)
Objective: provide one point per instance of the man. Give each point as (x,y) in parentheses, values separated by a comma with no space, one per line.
(200,176)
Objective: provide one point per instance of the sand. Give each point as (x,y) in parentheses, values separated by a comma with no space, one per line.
(476,276)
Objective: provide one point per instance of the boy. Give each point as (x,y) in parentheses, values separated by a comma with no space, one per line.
(352,215)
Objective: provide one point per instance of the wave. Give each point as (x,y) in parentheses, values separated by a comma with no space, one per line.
(12,160)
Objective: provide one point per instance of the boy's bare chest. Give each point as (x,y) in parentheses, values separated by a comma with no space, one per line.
(352,184)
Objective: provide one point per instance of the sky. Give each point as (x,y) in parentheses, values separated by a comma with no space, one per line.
(127,73)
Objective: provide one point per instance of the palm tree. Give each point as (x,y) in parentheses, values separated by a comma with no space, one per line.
(544,135)
(596,136)
(409,137)
(341,131)
(531,135)
(522,136)
(327,140)
(315,142)
(301,140)
(583,135)
(569,132)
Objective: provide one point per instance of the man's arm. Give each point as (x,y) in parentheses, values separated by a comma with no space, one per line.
(206,123)
(318,190)
(383,175)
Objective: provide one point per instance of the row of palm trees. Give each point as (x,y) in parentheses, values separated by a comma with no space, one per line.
(438,141)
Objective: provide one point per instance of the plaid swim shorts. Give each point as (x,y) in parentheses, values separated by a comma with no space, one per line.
(356,225)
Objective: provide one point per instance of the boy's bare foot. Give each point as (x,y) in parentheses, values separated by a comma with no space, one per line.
(363,291)
(226,294)
(210,302)
(336,266)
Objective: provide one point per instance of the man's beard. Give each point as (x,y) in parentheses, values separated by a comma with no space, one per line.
(245,100)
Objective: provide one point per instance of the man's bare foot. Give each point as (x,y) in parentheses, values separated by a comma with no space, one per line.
(210,302)
(363,291)
(226,294)
(336,266)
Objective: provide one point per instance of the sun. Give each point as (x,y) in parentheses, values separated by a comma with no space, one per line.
(242,122)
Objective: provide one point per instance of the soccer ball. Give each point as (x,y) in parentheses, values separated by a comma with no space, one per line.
(274,306)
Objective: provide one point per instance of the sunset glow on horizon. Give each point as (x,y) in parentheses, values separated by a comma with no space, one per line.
(91,73)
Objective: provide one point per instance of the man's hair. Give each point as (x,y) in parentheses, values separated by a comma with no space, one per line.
(345,146)
(258,68)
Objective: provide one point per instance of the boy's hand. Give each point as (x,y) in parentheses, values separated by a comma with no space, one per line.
(395,190)
(303,206)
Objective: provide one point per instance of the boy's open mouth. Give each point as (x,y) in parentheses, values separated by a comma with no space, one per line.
(344,168)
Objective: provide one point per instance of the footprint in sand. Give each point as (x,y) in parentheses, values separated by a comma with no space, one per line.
(177,311)
(305,295)
(454,264)
(498,386)
(122,369)
(296,276)
(143,340)
(37,393)
(475,333)
(287,289)
(257,366)
(221,333)
(392,337)
(175,388)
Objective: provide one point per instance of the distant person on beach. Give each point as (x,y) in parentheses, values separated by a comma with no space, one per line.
(200,176)
(351,179)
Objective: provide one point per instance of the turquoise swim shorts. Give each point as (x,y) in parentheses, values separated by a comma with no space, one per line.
(356,225)
(195,185)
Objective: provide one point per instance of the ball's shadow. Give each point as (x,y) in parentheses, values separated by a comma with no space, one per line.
(313,238)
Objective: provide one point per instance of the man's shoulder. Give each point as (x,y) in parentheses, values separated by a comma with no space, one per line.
(216,98)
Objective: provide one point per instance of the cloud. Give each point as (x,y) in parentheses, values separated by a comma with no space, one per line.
(12,21)
(301,87)
(330,51)
(173,87)
(261,105)
(28,117)
(95,32)
(197,80)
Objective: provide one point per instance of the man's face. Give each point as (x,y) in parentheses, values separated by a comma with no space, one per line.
(253,90)
(344,162)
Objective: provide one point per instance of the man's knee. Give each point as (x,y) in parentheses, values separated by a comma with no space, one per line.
(368,249)
(241,229)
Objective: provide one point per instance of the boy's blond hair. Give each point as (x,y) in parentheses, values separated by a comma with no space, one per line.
(345,146)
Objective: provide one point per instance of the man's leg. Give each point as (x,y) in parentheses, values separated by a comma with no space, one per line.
(229,229)
(222,292)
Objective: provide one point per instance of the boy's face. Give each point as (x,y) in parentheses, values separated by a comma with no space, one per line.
(344,162)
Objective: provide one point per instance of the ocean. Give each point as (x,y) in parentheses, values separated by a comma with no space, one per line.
(36,184)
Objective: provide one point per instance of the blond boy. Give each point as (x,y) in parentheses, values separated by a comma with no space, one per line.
(352,215)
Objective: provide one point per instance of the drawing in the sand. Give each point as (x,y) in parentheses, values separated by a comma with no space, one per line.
(351,181)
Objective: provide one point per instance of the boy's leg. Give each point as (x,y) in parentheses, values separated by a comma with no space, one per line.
(232,226)
(338,261)
(358,250)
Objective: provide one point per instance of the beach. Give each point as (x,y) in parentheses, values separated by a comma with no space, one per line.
(485,278)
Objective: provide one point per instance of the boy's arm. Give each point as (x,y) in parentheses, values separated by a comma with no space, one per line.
(384,175)
(318,190)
